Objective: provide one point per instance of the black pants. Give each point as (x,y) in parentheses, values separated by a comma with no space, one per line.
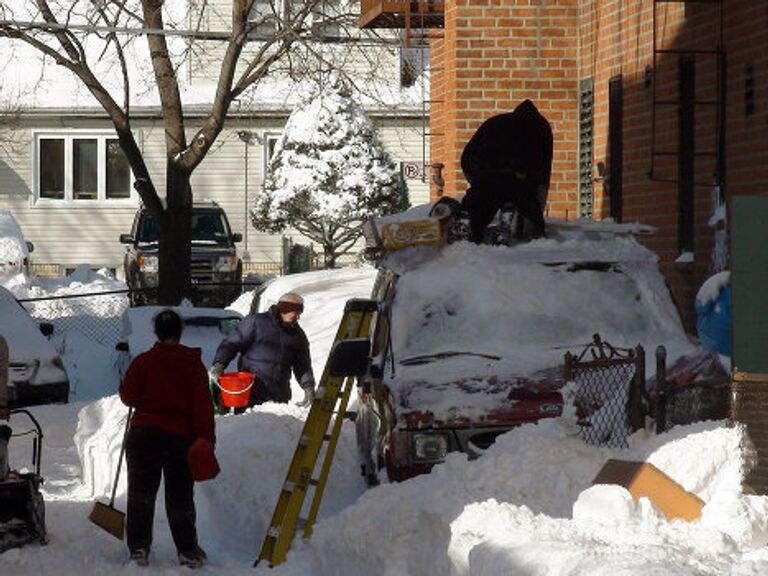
(150,454)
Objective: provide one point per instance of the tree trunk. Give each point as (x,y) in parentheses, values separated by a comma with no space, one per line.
(175,238)
(329,255)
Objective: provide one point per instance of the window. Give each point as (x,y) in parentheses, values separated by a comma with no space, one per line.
(270,143)
(81,167)
(325,20)
(268,15)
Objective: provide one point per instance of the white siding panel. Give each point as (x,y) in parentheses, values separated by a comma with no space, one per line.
(71,235)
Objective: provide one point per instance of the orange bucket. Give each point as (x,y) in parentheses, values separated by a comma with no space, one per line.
(235,389)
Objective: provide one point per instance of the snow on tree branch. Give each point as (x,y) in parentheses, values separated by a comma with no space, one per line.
(329,172)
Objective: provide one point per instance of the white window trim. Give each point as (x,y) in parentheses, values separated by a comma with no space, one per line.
(268,137)
(68,135)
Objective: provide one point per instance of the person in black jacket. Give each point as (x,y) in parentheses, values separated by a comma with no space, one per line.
(508,160)
(271,344)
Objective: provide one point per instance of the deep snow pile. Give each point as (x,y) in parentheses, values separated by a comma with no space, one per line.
(527,502)
(526,506)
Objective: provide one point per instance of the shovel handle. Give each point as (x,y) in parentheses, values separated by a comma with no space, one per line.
(120,458)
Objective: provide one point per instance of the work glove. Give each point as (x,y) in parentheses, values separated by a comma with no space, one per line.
(216,370)
(309,397)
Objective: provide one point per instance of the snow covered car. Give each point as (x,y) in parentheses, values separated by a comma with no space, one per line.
(471,338)
(36,373)
(14,249)
(204,328)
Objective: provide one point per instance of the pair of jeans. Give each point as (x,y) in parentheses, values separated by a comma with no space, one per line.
(152,454)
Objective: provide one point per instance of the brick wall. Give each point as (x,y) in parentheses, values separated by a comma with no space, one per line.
(617,37)
(495,54)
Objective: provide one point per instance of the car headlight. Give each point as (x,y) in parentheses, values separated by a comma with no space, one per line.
(148,264)
(226,264)
(429,447)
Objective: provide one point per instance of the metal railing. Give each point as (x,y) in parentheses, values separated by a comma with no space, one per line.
(609,396)
(697,401)
(96,315)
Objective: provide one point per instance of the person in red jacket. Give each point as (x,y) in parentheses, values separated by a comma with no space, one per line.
(168,388)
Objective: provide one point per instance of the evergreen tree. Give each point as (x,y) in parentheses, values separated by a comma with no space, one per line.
(329,173)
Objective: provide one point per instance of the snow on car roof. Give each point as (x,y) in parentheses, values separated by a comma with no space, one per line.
(12,245)
(200,331)
(25,341)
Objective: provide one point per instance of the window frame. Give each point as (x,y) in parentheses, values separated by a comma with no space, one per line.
(268,152)
(69,136)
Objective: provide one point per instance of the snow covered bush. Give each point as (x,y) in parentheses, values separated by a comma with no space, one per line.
(329,173)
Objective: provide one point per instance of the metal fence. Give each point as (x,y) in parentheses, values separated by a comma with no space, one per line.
(96,315)
(696,401)
(609,396)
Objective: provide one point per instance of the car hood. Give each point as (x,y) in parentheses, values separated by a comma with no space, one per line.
(25,341)
(477,401)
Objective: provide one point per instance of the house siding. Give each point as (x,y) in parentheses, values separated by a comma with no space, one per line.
(68,235)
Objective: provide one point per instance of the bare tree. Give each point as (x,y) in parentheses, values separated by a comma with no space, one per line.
(262,34)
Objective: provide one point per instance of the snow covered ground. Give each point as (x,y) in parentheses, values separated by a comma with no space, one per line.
(526,506)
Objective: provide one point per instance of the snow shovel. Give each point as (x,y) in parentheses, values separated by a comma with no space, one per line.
(106,516)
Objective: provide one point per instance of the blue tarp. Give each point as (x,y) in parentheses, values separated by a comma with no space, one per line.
(713,323)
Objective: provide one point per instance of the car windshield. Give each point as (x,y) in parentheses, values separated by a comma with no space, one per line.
(208,227)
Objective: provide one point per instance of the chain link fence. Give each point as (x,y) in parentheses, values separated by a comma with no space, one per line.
(609,383)
(96,315)
(691,403)
(695,389)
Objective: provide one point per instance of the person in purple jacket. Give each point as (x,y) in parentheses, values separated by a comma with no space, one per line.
(271,344)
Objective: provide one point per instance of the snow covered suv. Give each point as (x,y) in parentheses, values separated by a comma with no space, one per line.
(216,270)
(471,338)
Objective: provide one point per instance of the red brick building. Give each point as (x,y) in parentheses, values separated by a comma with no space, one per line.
(651,102)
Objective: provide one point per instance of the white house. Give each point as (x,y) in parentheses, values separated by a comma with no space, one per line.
(62,173)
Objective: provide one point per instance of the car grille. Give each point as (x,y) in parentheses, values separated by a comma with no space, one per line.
(201,270)
(22,370)
(485,439)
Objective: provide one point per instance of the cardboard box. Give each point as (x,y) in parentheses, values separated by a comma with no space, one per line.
(402,234)
(644,479)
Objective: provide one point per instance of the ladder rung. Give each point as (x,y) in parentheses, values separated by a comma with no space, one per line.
(314,482)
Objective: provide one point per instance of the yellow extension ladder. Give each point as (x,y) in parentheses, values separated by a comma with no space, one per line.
(331,399)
